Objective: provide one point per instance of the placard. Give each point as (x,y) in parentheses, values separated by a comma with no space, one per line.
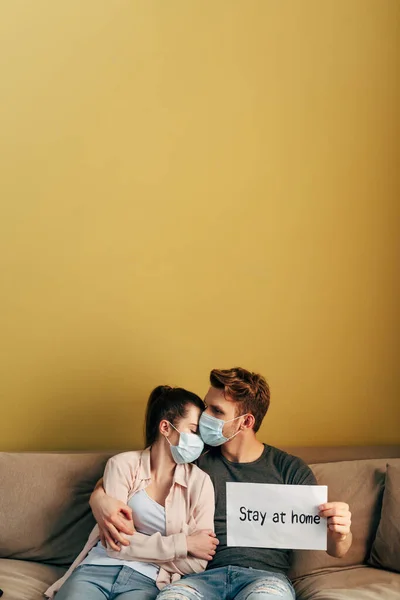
(261,515)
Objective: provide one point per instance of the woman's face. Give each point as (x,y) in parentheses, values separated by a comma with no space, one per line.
(188,424)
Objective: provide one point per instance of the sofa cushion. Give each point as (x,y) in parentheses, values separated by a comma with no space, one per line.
(385,551)
(350,583)
(360,483)
(44,510)
(23,580)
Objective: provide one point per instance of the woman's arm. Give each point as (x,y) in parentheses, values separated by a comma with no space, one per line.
(198,549)
(108,502)
(117,482)
(203,513)
(110,512)
(154,548)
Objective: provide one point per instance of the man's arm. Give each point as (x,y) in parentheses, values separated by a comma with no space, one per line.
(340,537)
(118,479)
(107,509)
(117,482)
(113,517)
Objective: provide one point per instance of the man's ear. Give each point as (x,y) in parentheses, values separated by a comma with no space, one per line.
(248,422)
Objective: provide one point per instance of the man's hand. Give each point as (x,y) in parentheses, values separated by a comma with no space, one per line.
(202,544)
(338,518)
(113,518)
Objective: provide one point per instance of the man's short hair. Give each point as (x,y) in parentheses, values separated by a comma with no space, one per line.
(249,390)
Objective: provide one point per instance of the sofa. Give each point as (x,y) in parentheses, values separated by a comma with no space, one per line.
(45,519)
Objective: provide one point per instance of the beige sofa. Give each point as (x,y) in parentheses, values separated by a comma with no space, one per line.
(45,519)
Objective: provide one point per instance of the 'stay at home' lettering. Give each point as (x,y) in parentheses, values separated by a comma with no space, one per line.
(304,519)
(257,516)
(252,515)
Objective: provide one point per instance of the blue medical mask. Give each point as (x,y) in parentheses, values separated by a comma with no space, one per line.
(211,429)
(189,447)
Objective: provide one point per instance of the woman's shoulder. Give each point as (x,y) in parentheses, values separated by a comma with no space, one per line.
(129,459)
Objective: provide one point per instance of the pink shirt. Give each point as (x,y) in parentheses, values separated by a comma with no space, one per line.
(189,507)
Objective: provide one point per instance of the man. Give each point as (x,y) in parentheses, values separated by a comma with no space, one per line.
(236,404)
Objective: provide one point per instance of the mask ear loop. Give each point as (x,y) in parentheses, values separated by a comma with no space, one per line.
(230,420)
(169,422)
(235,419)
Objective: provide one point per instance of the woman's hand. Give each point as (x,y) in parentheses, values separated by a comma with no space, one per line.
(202,544)
(113,518)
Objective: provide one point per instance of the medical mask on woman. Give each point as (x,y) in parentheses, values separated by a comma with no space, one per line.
(189,447)
(211,429)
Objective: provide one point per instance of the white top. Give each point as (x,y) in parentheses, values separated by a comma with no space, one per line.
(149,518)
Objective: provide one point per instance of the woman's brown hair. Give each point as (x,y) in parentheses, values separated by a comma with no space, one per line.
(168,403)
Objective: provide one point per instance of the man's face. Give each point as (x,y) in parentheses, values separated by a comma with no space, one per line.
(217,405)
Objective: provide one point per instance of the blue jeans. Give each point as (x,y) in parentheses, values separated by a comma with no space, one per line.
(96,582)
(229,583)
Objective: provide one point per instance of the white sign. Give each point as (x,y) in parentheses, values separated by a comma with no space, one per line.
(263,515)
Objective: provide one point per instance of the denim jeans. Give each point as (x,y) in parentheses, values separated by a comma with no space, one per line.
(97,582)
(229,583)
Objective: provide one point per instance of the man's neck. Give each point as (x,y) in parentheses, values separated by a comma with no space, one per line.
(242,449)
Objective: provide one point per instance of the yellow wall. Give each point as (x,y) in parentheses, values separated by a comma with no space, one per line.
(188,185)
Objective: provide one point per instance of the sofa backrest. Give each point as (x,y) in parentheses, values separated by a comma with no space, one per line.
(45,515)
(360,483)
(313,455)
(44,510)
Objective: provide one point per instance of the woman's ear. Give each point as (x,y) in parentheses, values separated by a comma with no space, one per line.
(164,428)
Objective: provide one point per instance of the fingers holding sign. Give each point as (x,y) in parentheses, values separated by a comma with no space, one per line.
(338,518)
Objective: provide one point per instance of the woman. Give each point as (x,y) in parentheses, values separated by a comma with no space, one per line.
(172,503)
